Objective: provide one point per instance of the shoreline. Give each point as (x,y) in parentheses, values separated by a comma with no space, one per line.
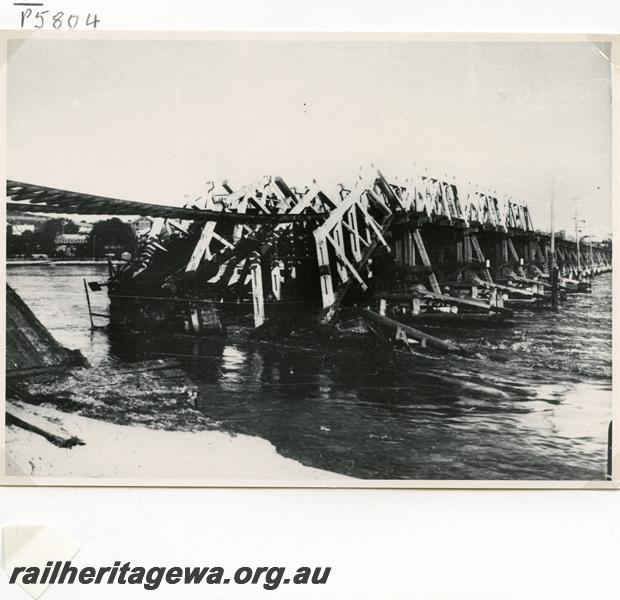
(130,451)
(55,263)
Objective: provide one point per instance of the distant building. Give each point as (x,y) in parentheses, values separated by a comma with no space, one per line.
(69,244)
(141,226)
(84,227)
(18,229)
(36,221)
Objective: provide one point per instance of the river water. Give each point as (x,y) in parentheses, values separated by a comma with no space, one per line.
(535,403)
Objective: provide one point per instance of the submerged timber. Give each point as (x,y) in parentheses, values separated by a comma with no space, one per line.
(378,259)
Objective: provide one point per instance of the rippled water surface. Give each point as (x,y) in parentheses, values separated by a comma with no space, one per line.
(534,404)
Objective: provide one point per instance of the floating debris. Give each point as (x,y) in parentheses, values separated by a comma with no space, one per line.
(156,394)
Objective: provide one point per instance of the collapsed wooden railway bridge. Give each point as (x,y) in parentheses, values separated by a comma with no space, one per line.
(393,255)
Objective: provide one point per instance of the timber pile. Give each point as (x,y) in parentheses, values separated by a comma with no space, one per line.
(19,416)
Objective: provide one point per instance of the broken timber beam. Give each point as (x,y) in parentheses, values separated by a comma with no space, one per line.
(406,295)
(20,417)
(328,312)
(403,332)
(532,281)
(480,255)
(507,288)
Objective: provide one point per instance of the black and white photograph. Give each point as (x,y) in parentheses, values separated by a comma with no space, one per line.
(308,260)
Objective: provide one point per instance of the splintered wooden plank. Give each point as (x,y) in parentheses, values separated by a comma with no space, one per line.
(341,256)
(202,247)
(30,421)
(415,334)
(421,248)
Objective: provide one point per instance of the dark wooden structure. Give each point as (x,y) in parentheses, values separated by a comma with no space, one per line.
(417,250)
(30,347)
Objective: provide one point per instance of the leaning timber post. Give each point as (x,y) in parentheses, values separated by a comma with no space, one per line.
(426,261)
(90,312)
(515,256)
(338,242)
(481,258)
(356,248)
(327,288)
(257,290)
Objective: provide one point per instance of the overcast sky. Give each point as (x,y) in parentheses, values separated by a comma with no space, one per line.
(155,120)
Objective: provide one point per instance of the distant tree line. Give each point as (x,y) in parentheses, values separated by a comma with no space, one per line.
(110,236)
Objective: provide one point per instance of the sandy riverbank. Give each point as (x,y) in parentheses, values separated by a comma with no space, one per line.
(122,451)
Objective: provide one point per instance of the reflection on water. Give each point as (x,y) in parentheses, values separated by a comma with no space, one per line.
(534,404)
